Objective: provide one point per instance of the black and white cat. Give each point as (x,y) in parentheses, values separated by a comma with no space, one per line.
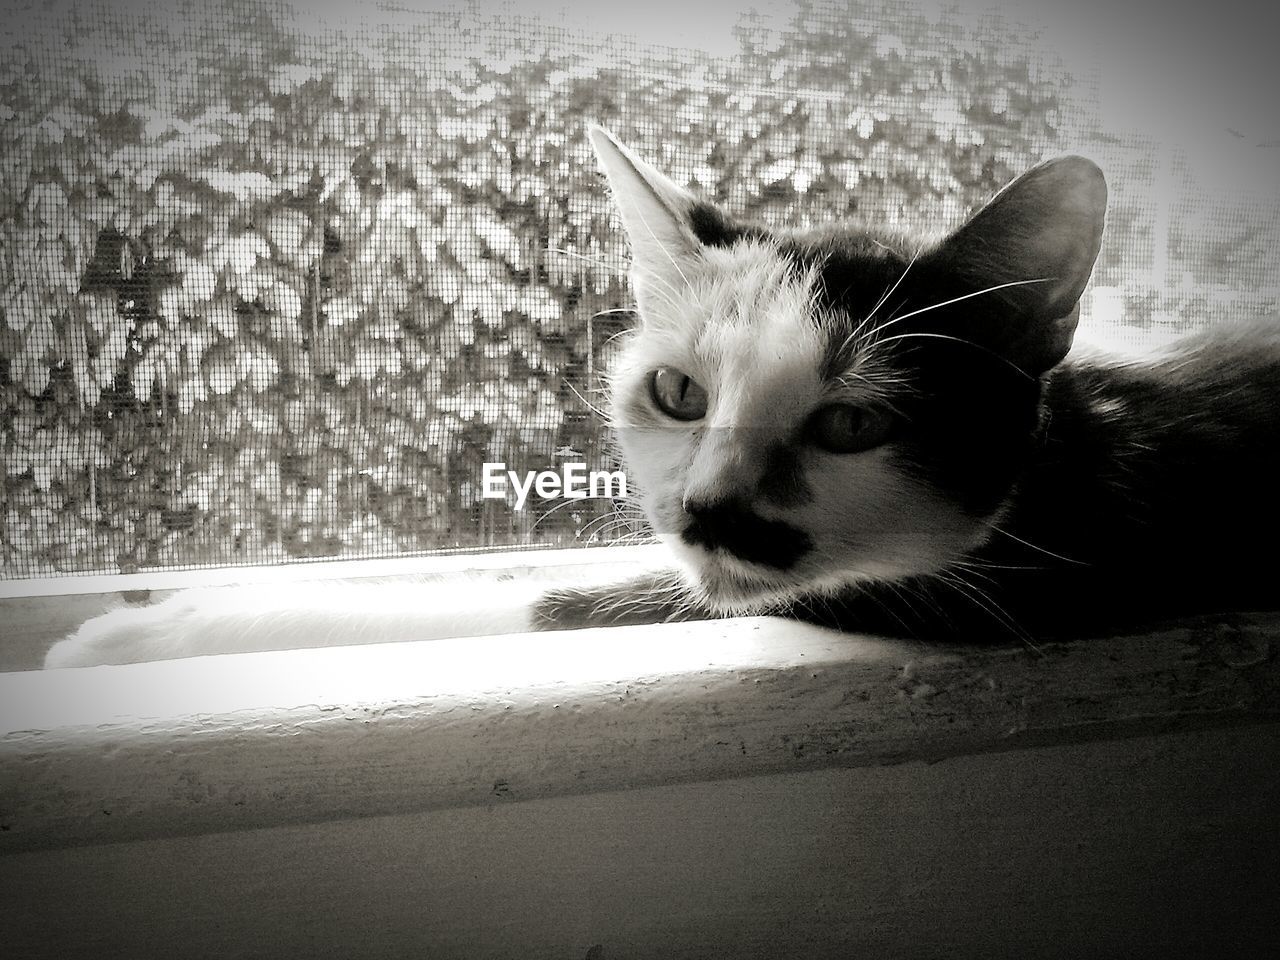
(875,432)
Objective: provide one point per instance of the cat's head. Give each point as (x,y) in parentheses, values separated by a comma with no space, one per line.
(805,411)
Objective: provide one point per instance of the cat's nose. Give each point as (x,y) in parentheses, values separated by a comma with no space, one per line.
(695,504)
(713,514)
(730,524)
(712,522)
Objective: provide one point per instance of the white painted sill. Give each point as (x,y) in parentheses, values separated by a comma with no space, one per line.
(252,740)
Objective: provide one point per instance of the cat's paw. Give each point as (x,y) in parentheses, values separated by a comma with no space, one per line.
(569,608)
(125,635)
(651,598)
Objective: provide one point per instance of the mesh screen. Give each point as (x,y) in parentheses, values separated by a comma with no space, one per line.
(277,281)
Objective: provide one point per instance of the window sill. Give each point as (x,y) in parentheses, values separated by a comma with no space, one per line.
(302,736)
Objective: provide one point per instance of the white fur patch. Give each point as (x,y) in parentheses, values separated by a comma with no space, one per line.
(743,318)
(743,328)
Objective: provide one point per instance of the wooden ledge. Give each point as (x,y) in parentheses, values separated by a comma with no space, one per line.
(235,742)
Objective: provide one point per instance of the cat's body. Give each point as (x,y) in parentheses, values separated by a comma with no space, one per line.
(883,435)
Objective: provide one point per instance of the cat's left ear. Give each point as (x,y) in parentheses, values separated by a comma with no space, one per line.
(654,210)
(1036,240)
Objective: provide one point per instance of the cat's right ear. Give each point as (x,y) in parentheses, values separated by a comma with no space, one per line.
(654,210)
(1030,252)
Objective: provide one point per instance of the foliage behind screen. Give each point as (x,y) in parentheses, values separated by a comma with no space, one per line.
(271,289)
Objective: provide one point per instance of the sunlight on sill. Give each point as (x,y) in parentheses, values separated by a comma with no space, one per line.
(520,669)
(294,571)
(40,613)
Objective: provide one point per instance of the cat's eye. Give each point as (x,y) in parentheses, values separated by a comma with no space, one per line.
(844,428)
(677,394)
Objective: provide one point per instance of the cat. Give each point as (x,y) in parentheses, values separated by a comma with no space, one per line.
(874,432)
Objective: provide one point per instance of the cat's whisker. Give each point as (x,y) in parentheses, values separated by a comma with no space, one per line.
(608,521)
(873,335)
(885,608)
(565,503)
(665,291)
(979,567)
(883,246)
(973,568)
(923,335)
(609,516)
(661,246)
(618,521)
(882,387)
(825,600)
(976,293)
(901,589)
(985,602)
(1032,546)
(672,293)
(857,332)
(557,508)
(585,259)
(587,403)
(601,532)
(612,337)
(663,288)
(889,292)
(637,538)
(848,375)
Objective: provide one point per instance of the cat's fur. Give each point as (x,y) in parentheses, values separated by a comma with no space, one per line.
(1013,491)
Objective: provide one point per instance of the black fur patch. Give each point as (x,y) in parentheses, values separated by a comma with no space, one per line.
(744,533)
(713,228)
(968,417)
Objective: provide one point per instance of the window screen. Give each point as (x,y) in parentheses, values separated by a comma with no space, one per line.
(277,281)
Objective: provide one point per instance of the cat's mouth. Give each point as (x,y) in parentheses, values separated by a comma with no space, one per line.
(741,562)
(731,586)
